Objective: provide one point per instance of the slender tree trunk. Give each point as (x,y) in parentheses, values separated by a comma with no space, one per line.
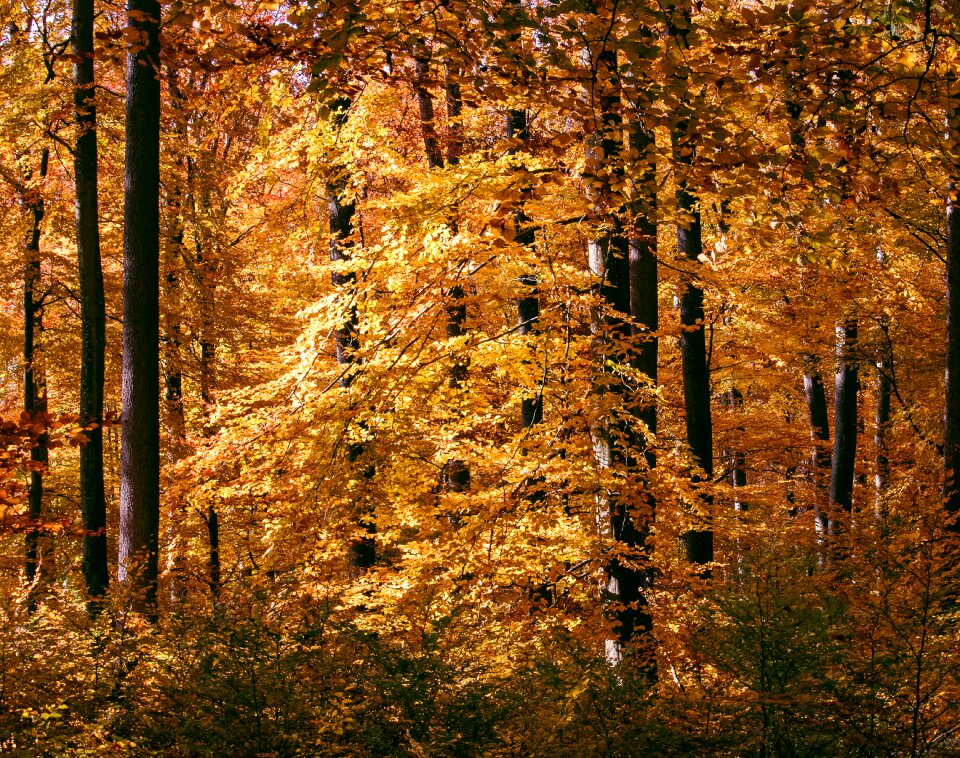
(738,463)
(431,143)
(342,210)
(34,372)
(528,304)
(693,350)
(140,453)
(693,353)
(882,419)
(454,114)
(645,313)
(206,267)
(174,253)
(951,425)
(457,472)
(820,434)
(845,418)
(621,259)
(93,504)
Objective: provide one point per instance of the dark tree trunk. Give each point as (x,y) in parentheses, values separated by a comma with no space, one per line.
(845,418)
(342,209)
(528,304)
(624,260)
(431,144)
(457,472)
(454,114)
(738,463)
(820,434)
(213,534)
(951,425)
(882,419)
(93,505)
(34,372)
(693,349)
(140,452)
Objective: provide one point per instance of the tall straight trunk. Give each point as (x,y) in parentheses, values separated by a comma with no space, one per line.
(693,348)
(454,114)
(845,418)
(431,143)
(93,505)
(612,262)
(140,451)
(342,209)
(738,463)
(820,434)
(645,314)
(205,259)
(882,420)
(528,304)
(34,372)
(951,416)
(457,472)
(848,371)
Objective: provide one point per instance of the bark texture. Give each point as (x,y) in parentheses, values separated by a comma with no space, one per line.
(140,453)
(93,507)
(951,423)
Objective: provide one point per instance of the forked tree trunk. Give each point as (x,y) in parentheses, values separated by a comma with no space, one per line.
(140,451)
(92,309)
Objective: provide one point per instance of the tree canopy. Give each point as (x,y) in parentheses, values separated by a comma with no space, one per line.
(535,377)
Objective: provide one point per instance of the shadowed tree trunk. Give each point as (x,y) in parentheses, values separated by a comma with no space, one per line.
(845,419)
(693,349)
(457,472)
(644,311)
(140,452)
(92,309)
(342,209)
(820,434)
(848,370)
(882,419)
(951,424)
(172,341)
(624,262)
(34,371)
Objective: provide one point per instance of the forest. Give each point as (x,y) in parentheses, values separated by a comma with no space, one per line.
(480,377)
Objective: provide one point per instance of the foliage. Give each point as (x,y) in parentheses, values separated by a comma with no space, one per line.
(314,401)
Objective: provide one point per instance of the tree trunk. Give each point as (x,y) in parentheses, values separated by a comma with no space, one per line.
(951,423)
(457,472)
(845,419)
(363,549)
(621,260)
(528,304)
(693,351)
(34,372)
(738,463)
(93,504)
(820,434)
(140,453)
(644,311)
(882,418)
